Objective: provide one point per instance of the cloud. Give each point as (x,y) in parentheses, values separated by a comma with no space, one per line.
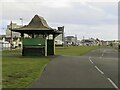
(59,0)
(82,18)
(106,32)
(76,13)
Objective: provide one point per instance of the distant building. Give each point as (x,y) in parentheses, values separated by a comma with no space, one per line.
(59,40)
(2,36)
(3,43)
(16,37)
(14,34)
(114,43)
(98,42)
(89,42)
(71,40)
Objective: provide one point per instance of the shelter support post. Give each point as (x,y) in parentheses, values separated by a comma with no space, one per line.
(32,35)
(22,37)
(45,45)
(11,41)
(54,44)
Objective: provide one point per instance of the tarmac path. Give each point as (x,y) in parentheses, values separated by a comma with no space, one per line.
(96,69)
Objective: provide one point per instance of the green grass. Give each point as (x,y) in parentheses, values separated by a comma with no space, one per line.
(75,51)
(20,72)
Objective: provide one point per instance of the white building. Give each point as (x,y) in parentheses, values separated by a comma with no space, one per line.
(14,34)
(71,40)
(59,40)
(4,44)
(89,42)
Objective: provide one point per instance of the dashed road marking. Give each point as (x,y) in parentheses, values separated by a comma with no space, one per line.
(99,70)
(96,66)
(102,54)
(104,51)
(112,83)
(91,60)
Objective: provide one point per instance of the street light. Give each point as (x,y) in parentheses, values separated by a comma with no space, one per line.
(2,38)
(83,40)
(21,19)
(11,33)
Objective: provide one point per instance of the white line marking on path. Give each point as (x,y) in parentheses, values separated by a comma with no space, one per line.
(100,57)
(112,83)
(99,70)
(103,73)
(91,60)
(102,54)
(104,51)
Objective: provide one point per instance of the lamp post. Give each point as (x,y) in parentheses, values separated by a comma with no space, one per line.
(11,33)
(22,35)
(21,19)
(83,40)
(3,39)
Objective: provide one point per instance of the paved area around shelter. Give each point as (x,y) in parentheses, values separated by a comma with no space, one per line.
(96,69)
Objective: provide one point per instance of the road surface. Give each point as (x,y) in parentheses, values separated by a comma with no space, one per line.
(96,69)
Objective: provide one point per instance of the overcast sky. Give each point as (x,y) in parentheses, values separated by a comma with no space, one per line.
(88,18)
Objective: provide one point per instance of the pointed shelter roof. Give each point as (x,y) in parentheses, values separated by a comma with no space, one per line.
(37,25)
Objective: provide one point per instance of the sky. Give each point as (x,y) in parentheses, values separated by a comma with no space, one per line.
(88,18)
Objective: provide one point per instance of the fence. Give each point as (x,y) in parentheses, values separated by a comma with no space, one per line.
(4,46)
(6,49)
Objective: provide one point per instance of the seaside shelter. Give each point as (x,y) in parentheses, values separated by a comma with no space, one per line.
(41,37)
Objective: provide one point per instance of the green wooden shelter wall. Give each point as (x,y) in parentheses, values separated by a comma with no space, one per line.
(33,42)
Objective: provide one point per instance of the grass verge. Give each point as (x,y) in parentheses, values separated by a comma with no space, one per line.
(20,72)
(75,51)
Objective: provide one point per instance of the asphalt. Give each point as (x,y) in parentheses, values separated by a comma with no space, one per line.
(96,69)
